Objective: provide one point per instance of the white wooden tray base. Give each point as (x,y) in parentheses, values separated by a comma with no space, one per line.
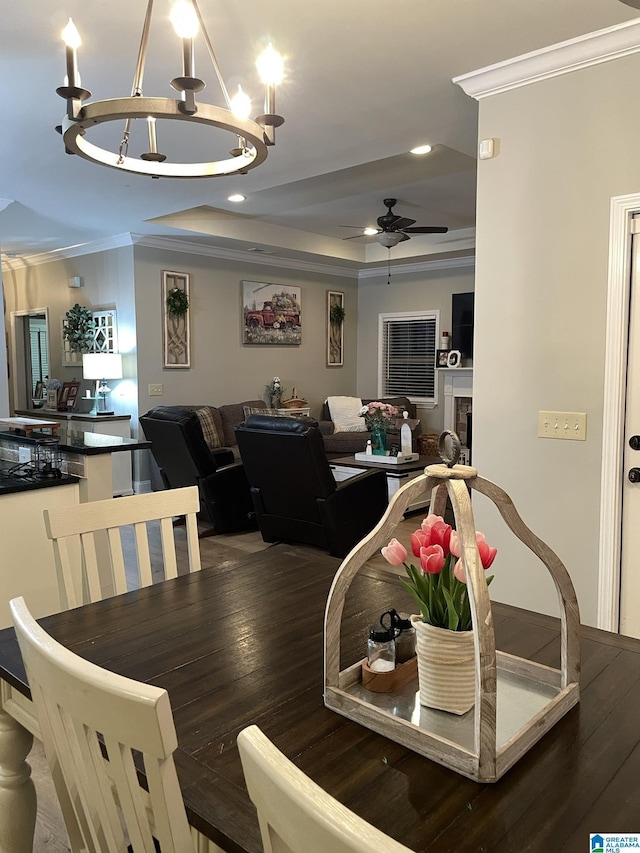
(387,460)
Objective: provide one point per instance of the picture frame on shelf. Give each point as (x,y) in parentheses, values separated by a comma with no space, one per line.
(441,357)
(68,396)
(52,398)
(454,358)
(38,392)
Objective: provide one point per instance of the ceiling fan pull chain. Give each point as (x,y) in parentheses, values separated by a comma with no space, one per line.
(388,265)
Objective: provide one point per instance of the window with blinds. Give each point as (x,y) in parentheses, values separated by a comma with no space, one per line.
(407,347)
(38,349)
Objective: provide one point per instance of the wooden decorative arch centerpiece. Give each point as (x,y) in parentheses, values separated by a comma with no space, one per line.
(516,700)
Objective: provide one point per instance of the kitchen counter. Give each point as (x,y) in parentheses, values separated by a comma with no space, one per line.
(82,438)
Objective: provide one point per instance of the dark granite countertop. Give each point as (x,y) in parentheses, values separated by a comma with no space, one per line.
(22,478)
(77,441)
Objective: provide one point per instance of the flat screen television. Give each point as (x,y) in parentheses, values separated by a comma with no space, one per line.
(462,323)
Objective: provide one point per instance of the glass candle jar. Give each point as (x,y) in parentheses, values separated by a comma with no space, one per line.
(381,649)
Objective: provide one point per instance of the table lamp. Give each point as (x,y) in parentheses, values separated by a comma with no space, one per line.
(101,366)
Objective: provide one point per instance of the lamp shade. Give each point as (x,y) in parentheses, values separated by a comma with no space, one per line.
(102,365)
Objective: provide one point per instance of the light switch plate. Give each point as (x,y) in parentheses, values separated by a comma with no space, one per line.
(156,390)
(570,426)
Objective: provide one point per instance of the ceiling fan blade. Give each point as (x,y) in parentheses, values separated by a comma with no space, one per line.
(402,223)
(426,229)
(404,237)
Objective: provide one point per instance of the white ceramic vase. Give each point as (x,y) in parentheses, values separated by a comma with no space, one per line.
(446,667)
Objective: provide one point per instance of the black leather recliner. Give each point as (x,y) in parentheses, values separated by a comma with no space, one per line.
(295,495)
(184,459)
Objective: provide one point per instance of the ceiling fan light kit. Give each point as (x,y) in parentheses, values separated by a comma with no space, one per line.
(393,229)
(253,137)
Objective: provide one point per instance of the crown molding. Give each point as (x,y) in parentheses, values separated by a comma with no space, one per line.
(264,259)
(557,59)
(120,241)
(420,266)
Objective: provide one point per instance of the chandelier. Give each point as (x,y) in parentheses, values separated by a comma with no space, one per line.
(252,136)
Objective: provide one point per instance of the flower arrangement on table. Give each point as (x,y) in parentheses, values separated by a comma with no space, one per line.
(275,391)
(439,584)
(378,415)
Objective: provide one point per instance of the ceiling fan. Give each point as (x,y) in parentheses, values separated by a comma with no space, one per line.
(393,229)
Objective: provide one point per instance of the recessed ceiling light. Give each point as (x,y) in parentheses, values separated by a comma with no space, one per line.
(370,231)
(236,197)
(421,149)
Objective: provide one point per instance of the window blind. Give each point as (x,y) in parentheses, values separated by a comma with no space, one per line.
(408,350)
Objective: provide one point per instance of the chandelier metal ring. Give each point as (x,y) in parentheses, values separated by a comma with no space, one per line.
(100,112)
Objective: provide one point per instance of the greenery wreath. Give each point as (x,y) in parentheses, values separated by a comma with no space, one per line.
(177,302)
(337,314)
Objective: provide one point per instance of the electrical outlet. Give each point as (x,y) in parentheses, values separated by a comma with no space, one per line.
(156,390)
(566,425)
(24,454)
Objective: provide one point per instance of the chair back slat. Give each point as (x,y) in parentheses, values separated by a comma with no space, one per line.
(118,570)
(90,565)
(168,548)
(88,543)
(99,729)
(143,554)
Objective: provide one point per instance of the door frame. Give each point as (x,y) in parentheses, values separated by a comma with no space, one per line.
(621,213)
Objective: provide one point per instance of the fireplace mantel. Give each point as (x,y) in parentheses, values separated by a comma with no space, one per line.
(458,382)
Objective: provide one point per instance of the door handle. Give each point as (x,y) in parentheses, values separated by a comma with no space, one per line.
(634,442)
(634,475)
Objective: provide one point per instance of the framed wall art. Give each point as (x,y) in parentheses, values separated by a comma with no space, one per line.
(175,323)
(335,328)
(272,313)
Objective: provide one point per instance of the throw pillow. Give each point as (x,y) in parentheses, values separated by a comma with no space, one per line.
(209,430)
(345,415)
(251,410)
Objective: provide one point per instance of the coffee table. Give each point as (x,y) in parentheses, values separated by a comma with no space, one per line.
(344,467)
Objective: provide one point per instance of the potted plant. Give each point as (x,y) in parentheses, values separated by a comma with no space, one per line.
(78,328)
(444,628)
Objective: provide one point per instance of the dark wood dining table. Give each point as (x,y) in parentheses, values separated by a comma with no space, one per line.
(242,642)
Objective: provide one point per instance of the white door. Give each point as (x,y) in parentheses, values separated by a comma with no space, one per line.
(630,562)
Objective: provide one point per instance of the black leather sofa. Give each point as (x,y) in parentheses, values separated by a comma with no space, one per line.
(295,495)
(184,459)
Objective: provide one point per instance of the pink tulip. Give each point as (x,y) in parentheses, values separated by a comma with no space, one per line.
(437,531)
(395,553)
(419,540)
(459,572)
(487,554)
(432,559)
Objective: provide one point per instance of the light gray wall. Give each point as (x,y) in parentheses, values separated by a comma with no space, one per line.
(108,283)
(415,291)
(567,146)
(223,369)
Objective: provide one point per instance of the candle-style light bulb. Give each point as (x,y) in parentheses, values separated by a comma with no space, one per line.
(72,40)
(270,66)
(185,23)
(184,19)
(241,104)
